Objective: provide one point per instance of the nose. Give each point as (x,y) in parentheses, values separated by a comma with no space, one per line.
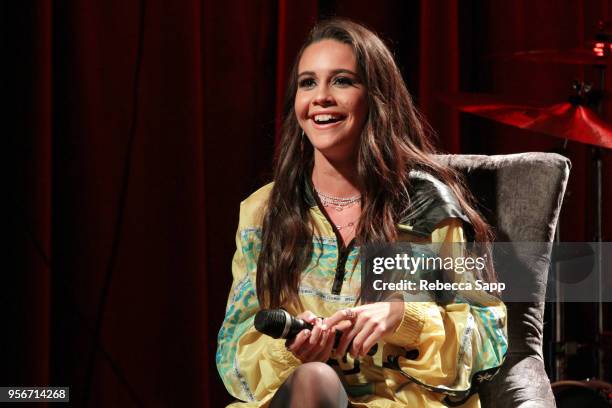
(323,97)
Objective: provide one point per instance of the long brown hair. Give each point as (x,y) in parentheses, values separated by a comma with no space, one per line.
(394,140)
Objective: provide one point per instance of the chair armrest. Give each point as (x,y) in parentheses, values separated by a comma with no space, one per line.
(522,382)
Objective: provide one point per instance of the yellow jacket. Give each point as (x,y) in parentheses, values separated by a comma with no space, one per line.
(459,344)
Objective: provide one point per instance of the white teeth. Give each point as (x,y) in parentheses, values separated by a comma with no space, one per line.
(325,117)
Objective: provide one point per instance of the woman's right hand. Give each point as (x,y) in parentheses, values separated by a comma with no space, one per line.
(312,345)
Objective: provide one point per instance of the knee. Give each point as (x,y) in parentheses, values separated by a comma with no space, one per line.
(312,385)
(315,374)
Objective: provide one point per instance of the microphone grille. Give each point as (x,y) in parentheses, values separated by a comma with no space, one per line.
(270,322)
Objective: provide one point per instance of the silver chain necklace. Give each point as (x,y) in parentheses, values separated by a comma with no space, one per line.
(338,203)
(350,224)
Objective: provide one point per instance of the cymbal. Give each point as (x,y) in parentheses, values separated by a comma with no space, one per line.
(574,56)
(562,120)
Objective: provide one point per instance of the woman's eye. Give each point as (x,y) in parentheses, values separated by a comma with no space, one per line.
(307,83)
(344,81)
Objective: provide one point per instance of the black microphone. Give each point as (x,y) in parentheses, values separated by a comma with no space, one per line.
(279,324)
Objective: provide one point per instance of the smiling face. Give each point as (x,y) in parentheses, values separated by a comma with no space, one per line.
(331,100)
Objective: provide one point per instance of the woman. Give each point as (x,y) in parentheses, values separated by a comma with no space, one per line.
(355,167)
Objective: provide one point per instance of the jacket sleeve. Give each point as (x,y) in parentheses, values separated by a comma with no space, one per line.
(458,345)
(251,365)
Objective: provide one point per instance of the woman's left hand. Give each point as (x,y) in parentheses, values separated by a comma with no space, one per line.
(370,323)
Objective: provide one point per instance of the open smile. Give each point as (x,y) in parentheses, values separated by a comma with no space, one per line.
(327,120)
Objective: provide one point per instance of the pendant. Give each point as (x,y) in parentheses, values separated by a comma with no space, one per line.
(350,224)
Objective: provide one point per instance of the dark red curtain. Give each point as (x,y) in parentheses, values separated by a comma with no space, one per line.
(109,290)
(136,128)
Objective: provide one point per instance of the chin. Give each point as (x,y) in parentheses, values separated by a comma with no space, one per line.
(335,151)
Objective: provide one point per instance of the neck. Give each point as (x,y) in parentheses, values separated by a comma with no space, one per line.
(335,177)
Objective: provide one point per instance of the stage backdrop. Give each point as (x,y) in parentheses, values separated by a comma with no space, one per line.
(136,129)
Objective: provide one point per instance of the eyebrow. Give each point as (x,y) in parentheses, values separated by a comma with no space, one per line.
(334,72)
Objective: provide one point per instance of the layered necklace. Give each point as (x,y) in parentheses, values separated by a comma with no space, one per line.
(339,204)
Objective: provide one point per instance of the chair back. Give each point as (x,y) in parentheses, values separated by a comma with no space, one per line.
(520,195)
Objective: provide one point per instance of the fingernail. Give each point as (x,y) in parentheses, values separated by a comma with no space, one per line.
(307,333)
(324,326)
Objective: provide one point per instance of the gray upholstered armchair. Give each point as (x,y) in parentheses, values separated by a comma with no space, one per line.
(521,197)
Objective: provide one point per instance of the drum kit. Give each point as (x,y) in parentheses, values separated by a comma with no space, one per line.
(579,119)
